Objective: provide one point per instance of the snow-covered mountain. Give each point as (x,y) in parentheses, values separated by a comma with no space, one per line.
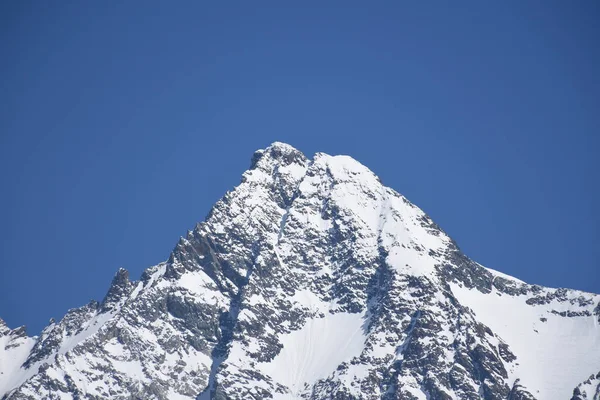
(312,280)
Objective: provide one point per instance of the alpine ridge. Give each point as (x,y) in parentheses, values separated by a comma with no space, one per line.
(312,280)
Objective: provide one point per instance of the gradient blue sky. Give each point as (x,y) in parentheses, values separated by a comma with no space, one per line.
(123,122)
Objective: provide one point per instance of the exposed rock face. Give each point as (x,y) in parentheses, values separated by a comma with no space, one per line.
(312,280)
(588,389)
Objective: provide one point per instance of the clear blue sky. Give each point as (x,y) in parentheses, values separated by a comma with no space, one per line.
(123,122)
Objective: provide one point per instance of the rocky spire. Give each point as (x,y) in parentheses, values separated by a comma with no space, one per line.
(3,327)
(120,287)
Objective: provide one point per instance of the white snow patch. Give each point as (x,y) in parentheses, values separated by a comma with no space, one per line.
(554,356)
(13,353)
(315,351)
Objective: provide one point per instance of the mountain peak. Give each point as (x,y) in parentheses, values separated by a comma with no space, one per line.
(119,289)
(277,152)
(312,280)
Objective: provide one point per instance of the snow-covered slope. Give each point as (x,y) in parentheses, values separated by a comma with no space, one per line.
(553,348)
(313,280)
(14,349)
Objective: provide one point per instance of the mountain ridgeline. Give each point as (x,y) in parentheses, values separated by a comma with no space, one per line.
(312,280)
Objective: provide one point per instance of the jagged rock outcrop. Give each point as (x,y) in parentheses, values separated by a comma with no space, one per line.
(588,389)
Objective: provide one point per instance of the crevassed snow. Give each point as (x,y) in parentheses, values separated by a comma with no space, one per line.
(315,351)
(554,356)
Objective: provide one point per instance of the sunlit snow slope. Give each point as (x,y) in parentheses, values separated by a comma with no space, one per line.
(312,280)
